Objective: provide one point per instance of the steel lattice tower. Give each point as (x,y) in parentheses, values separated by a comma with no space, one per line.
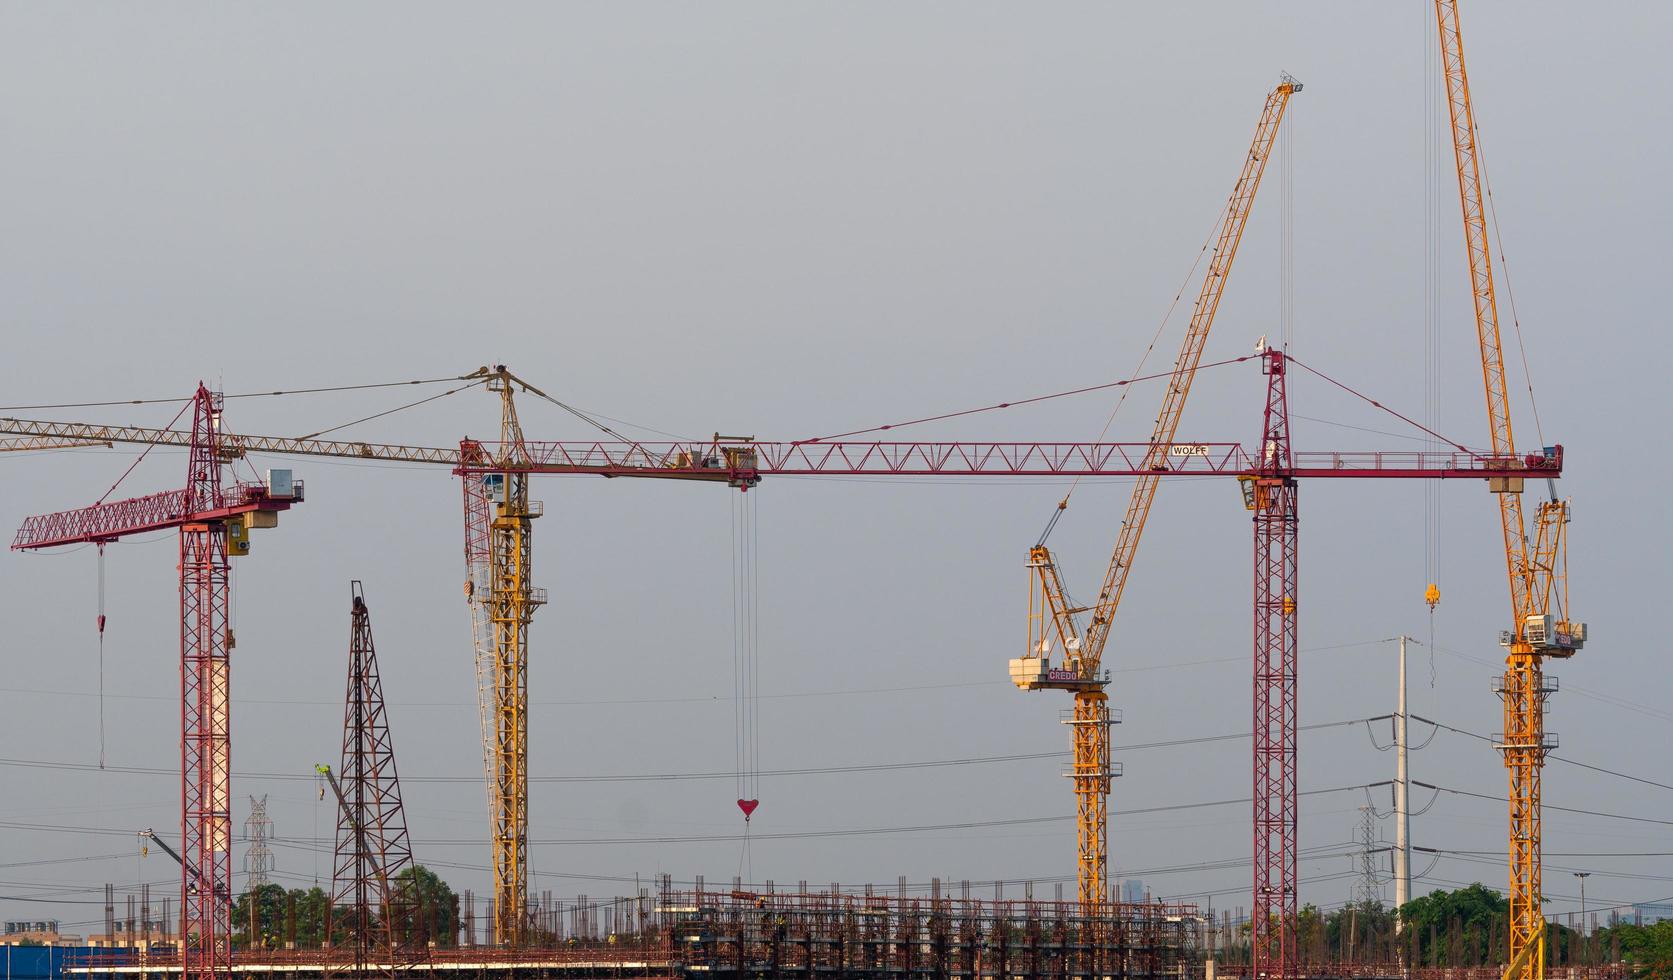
(1276,523)
(1368,889)
(258,860)
(499,535)
(205,704)
(372,843)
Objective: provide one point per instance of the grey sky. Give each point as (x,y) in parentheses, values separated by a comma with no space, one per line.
(789,220)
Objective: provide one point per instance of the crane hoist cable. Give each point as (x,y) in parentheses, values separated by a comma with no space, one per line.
(101,622)
(746,666)
(746,671)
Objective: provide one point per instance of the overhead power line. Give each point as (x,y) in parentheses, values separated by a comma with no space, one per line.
(1550,755)
(1548,806)
(681,776)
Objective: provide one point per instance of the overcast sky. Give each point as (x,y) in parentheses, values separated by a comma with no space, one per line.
(789,220)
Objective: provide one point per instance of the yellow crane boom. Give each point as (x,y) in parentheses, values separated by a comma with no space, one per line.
(1053,619)
(31,444)
(1538,576)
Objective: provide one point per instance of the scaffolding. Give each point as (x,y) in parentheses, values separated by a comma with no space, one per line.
(831,933)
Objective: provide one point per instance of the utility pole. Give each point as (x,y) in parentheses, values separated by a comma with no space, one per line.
(1402,800)
(1582,875)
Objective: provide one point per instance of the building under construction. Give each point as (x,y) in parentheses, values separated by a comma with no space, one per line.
(736,933)
(743,932)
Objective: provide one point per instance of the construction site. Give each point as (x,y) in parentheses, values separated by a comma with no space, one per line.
(571,805)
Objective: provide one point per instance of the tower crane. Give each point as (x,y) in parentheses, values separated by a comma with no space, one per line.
(214,516)
(1537,571)
(742,463)
(1054,619)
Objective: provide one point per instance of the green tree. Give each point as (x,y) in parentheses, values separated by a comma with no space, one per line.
(1449,927)
(426,909)
(268,903)
(310,906)
(1649,949)
(1359,930)
(273,908)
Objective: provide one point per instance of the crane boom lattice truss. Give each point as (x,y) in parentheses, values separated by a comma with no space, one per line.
(1540,625)
(1052,617)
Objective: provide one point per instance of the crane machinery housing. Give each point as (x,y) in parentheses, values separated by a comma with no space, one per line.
(1054,620)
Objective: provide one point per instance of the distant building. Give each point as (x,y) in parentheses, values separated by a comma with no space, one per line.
(1132,890)
(36,932)
(1652,912)
(27,925)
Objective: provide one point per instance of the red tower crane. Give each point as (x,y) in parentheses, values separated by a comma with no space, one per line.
(214,515)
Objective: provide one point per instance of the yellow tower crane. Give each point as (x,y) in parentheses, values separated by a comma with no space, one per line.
(1538,572)
(499,503)
(1054,620)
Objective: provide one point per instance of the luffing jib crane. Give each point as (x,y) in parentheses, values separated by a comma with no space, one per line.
(1541,626)
(1054,620)
(214,515)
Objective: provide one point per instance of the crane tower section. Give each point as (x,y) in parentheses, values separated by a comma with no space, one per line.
(511,604)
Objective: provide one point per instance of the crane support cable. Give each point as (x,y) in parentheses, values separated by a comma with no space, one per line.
(1367,399)
(1013,404)
(245,394)
(1179,294)
(392,411)
(584,416)
(1510,294)
(140,458)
